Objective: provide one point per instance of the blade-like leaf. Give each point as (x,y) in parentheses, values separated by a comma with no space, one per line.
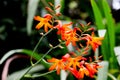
(32,6)
(21,51)
(9,53)
(18,74)
(111,32)
(100,25)
(97,15)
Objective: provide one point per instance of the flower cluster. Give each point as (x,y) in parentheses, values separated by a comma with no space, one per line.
(76,64)
(67,34)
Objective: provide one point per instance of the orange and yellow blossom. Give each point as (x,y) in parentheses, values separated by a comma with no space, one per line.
(87,69)
(67,34)
(45,21)
(83,71)
(77,66)
(74,62)
(63,28)
(79,73)
(57,64)
(92,68)
(71,36)
(95,42)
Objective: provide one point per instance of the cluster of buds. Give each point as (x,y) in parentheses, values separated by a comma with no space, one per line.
(77,64)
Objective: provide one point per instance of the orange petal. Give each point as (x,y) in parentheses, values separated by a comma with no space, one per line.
(52,67)
(45,28)
(39,25)
(38,18)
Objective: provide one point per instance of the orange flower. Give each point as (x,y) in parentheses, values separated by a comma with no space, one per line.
(92,68)
(67,33)
(57,64)
(65,57)
(79,74)
(94,41)
(44,22)
(74,62)
(63,28)
(85,69)
(71,36)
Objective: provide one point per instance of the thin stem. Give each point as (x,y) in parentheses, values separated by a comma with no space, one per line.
(41,58)
(43,74)
(46,4)
(111,76)
(38,44)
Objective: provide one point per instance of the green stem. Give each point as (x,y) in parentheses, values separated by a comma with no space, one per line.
(41,59)
(38,44)
(43,74)
(111,76)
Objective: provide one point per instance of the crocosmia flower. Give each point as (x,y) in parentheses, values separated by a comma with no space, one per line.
(73,62)
(95,42)
(87,69)
(63,28)
(67,34)
(45,21)
(71,36)
(92,68)
(79,73)
(57,64)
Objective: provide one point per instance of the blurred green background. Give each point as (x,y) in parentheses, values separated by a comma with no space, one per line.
(17,27)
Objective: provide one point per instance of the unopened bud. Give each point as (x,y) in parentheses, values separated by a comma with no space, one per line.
(82,25)
(87,48)
(50,4)
(85,52)
(81,45)
(73,54)
(100,57)
(58,6)
(48,9)
(58,14)
(91,29)
(41,34)
(61,47)
(88,24)
(78,49)
(51,45)
(59,40)
(90,59)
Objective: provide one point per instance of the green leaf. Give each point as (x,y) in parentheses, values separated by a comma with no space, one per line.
(62,3)
(111,33)
(9,53)
(99,23)
(118,78)
(21,51)
(32,6)
(117,28)
(18,74)
(98,16)
(110,24)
